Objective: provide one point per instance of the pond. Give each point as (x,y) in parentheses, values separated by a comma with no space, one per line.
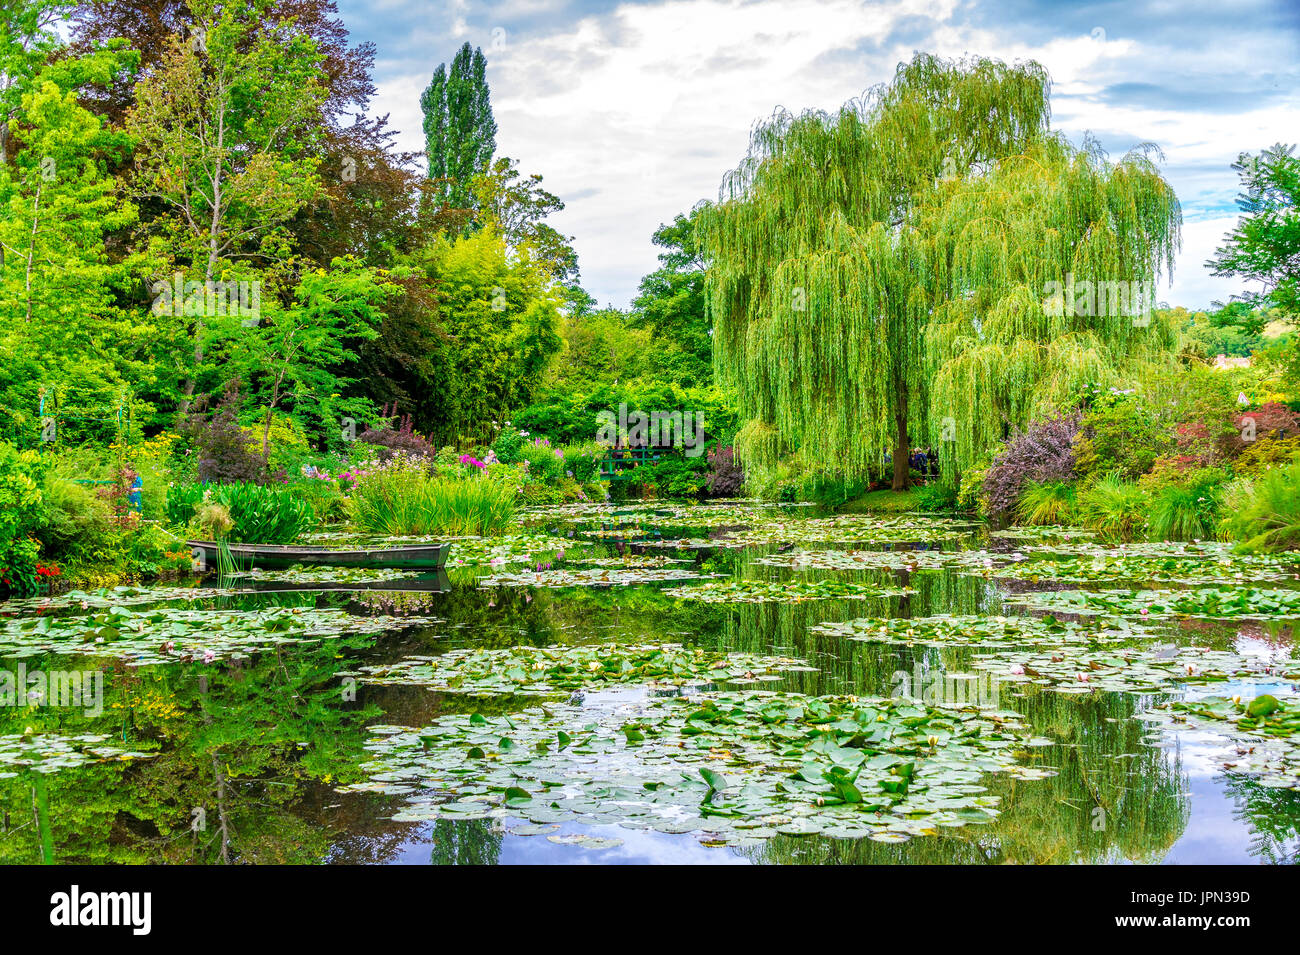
(723,684)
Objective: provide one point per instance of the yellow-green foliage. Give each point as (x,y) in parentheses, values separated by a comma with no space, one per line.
(892,261)
(1183,502)
(503,313)
(287,444)
(1266,453)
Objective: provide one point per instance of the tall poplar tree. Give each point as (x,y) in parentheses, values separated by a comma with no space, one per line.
(459,130)
(881,274)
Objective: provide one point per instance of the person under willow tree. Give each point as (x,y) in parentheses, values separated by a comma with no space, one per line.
(887,271)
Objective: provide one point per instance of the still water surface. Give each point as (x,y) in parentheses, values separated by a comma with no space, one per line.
(250,753)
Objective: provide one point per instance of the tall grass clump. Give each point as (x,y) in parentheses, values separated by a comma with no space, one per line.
(1176,515)
(406,497)
(1263,513)
(1113,507)
(1046,502)
(1184,506)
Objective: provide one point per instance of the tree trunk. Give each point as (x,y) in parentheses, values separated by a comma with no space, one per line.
(902,450)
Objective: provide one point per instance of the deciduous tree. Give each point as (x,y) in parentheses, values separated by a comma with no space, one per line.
(881,273)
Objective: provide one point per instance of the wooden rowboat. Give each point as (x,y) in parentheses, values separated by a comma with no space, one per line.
(414,556)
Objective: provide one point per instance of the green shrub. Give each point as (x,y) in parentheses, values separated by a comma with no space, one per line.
(20,492)
(18,560)
(1049,502)
(1119,435)
(545,463)
(1266,453)
(1115,508)
(582,461)
(508,446)
(937,496)
(673,477)
(286,443)
(75,523)
(328,504)
(970,491)
(261,514)
(152,552)
(1263,512)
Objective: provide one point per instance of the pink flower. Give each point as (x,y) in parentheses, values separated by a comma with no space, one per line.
(209,656)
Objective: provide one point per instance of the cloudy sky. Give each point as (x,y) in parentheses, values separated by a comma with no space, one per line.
(633,111)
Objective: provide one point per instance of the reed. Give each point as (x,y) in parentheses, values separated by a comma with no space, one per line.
(403,498)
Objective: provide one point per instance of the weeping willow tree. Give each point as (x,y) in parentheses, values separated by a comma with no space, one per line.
(881,273)
(1044,271)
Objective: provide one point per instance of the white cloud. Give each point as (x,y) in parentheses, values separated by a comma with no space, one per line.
(1193,284)
(634,113)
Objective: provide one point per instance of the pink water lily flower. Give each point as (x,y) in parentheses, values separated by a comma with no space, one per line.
(209,656)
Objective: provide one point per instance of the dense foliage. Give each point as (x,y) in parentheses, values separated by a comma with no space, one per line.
(289,324)
(939,220)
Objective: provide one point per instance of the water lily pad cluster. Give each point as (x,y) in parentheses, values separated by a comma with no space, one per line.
(982,631)
(749,590)
(1043,532)
(694,543)
(325,575)
(978,560)
(852,529)
(171,635)
(48,753)
(1210,603)
(116,597)
(510,549)
(721,515)
(1083,548)
(1264,733)
(592,577)
(1147,669)
(558,671)
(1213,567)
(737,768)
(632,561)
